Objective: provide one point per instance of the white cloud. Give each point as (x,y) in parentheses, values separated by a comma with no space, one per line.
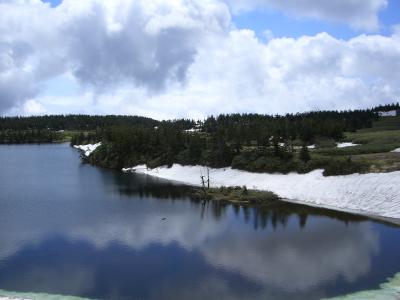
(147,44)
(360,14)
(396,29)
(181,58)
(32,107)
(238,73)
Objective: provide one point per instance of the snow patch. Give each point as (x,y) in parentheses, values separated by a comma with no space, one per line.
(396,150)
(387,291)
(344,145)
(6,295)
(193,130)
(391,113)
(374,194)
(311,147)
(87,149)
(12,298)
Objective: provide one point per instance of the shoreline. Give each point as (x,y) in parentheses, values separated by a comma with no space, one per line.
(234,195)
(389,290)
(9,295)
(394,221)
(374,195)
(269,199)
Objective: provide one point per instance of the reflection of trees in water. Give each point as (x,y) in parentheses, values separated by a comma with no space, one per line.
(143,186)
(276,214)
(273,214)
(217,209)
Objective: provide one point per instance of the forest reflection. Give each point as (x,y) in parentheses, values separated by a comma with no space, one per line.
(273,215)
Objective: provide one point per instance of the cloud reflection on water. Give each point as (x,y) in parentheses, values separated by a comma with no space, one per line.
(86,231)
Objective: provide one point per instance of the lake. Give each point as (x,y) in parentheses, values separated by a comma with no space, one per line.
(68,228)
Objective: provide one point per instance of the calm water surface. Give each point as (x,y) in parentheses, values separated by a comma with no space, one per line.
(73,229)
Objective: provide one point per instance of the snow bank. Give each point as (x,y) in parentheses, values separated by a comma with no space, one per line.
(88,149)
(6,295)
(344,145)
(375,194)
(396,150)
(387,291)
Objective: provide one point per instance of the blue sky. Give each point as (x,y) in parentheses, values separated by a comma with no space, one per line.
(281,25)
(192,58)
(285,25)
(53,2)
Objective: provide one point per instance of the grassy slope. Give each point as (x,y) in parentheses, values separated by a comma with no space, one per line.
(375,148)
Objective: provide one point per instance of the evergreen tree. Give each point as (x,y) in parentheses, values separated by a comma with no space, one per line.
(304,154)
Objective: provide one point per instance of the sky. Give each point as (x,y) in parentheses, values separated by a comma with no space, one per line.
(195,58)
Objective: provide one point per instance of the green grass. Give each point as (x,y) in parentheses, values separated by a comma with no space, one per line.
(374,151)
(325,142)
(380,162)
(68,134)
(374,137)
(358,150)
(383,137)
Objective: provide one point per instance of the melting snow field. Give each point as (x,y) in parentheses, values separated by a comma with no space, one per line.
(345,145)
(5,295)
(387,291)
(375,194)
(87,149)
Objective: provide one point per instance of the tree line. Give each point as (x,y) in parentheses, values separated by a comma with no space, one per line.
(254,142)
(29,136)
(72,122)
(56,128)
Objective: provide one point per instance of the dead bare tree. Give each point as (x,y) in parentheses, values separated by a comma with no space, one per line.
(208,177)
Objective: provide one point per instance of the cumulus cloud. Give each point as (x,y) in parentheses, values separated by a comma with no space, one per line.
(16,79)
(144,43)
(185,58)
(29,50)
(238,73)
(360,14)
(150,42)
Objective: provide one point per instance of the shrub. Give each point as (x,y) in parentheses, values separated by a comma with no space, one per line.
(344,167)
(304,154)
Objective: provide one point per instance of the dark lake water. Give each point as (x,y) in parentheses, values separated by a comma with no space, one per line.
(73,229)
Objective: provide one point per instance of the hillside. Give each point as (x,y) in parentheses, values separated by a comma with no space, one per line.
(374,146)
(261,144)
